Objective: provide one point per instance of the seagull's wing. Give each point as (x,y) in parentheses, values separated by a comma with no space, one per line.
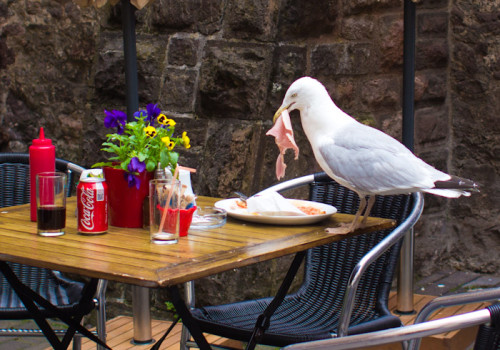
(371,162)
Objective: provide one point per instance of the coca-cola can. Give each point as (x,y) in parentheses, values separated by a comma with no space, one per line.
(92,204)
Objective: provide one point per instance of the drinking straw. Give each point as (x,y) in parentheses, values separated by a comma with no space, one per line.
(170,193)
(169,197)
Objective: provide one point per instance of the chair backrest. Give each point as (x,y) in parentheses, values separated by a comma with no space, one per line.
(15,190)
(329,267)
(15,178)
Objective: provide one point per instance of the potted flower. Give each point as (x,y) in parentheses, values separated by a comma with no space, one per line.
(138,148)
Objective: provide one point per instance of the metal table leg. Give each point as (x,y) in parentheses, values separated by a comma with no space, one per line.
(142,316)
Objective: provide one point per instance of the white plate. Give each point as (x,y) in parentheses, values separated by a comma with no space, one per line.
(237,212)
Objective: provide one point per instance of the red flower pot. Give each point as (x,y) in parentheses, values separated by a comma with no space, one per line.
(126,203)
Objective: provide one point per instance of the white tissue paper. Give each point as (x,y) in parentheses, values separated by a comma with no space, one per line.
(272,203)
(185,178)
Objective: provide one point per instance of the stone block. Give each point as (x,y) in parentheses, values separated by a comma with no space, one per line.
(178,90)
(430,86)
(329,60)
(431,4)
(485,281)
(184,50)
(381,92)
(431,125)
(110,67)
(358,6)
(289,63)
(189,15)
(234,79)
(432,24)
(458,278)
(391,45)
(109,79)
(431,53)
(435,244)
(250,19)
(345,93)
(228,158)
(358,27)
(391,124)
(304,19)
(150,60)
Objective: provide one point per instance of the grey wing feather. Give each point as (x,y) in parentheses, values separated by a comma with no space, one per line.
(373,162)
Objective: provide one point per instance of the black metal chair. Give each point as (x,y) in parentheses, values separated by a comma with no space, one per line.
(488,335)
(60,290)
(488,320)
(346,284)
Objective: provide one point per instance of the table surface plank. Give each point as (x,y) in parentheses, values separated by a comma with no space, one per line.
(126,255)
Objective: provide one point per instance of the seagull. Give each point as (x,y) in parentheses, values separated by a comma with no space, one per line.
(362,158)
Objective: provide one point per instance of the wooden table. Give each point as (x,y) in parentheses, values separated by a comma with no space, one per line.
(126,255)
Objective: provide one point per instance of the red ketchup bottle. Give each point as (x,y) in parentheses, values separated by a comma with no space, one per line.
(42,158)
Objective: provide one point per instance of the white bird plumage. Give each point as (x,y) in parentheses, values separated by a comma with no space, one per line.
(360,157)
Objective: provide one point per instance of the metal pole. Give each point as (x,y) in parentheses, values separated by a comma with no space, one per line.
(142,316)
(130,54)
(189,296)
(405,280)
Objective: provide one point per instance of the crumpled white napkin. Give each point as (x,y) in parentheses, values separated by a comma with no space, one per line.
(272,203)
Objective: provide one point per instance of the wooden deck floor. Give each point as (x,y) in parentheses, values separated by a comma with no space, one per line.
(120,331)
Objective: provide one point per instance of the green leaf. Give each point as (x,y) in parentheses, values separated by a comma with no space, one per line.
(101,164)
(164,158)
(150,165)
(142,156)
(174,157)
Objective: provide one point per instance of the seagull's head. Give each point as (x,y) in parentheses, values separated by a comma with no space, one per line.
(300,94)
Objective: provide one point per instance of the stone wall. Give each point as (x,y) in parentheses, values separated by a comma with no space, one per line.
(221,69)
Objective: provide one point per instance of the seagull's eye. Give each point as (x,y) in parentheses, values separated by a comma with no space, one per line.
(294,95)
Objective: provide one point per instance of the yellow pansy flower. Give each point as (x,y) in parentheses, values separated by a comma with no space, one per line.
(185,140)
(150,131)
(163,120)
(170,144)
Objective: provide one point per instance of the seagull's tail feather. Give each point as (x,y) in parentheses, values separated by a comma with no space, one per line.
(457,183)
(454,187)
(447,193)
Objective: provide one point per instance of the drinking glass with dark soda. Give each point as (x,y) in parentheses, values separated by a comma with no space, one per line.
(51,203)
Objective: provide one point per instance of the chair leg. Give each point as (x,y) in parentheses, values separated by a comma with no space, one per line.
(77,341)
(101,312)
(184,338)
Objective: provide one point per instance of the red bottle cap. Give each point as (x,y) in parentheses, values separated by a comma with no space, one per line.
(41,140)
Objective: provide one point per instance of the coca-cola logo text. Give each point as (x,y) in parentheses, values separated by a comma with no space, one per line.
(87,201)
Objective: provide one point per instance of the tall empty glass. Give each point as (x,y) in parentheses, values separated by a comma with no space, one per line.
(51,203)
(164,209)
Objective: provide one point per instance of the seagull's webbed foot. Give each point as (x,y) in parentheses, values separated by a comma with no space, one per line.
(343,229)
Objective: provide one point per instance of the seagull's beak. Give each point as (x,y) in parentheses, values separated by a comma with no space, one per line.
(278,113)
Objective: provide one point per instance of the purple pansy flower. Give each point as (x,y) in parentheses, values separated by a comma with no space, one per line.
(115,119)
(139,113)
(135,165)
(153,111)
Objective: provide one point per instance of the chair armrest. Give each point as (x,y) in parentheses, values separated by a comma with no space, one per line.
(491,294)
(75,168)
(290,184)
(371,256)
(394,335)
